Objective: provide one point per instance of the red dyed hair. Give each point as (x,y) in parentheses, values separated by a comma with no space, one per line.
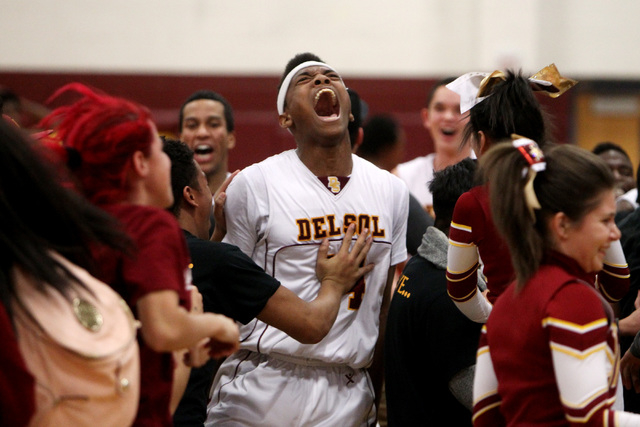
(105,131)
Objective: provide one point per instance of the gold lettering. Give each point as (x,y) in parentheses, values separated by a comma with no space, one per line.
(348,219)
(363,222)
(318,230)
(304,229)
(400,289)
(376,232)
(334,184)
(333,230)
(327,226)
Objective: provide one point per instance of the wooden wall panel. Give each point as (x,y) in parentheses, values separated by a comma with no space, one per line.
(621,127)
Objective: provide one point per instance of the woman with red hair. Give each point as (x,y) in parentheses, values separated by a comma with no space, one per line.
(118,163)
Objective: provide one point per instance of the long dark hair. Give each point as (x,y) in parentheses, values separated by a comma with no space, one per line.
(573,183)
(38,215)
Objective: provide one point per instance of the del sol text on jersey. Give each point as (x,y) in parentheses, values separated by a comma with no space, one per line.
(326,226)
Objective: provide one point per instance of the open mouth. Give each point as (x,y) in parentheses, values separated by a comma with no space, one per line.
(326,103)
(203,149)
(448,132)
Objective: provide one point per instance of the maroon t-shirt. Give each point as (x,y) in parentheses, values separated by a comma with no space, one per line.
(160,262)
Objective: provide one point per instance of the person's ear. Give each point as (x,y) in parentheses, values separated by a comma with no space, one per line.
(231,140)
(188,196)
(285,120)
(482,142)
(424,114)
(560,225)
(140,164)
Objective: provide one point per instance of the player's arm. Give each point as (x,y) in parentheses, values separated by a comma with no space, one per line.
(486,400)
(578,336)
(463,260)
(376,370)
(614,281)
(180,379)
(309,322)
(166,326)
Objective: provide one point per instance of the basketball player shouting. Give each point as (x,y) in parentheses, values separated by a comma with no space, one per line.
(278,211)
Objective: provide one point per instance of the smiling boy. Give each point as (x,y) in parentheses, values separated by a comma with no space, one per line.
(207,127)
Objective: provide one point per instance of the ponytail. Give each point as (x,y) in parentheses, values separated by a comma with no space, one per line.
(511,108)
(508,172)
(524,197)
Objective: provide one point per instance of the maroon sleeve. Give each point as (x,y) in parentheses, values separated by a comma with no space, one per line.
(614,281)
(462,280)
(161,261)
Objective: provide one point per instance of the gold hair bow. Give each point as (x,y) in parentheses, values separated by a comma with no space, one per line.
(547,80)
(475,86)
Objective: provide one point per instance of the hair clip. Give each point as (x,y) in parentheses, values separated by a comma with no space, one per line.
(535,158)
(530,151)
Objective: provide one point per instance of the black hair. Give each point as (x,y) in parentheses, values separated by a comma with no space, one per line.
(380,133)
(447,186)
(294,62)
(6,96)
(356,111)
(297,60)
(608,145)
(213,96)
(183,170)
(511,108)
(573,182)
(38,215)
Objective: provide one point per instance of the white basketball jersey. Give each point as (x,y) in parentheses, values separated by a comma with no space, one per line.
(278,212)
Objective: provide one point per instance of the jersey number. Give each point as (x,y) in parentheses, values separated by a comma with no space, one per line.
(358,291)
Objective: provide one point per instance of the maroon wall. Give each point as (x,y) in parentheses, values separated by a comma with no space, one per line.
(253,99)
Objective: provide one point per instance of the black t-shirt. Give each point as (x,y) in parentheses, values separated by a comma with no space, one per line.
(428,340)
(230,284)
(417,223)
(229,281)
(630,241)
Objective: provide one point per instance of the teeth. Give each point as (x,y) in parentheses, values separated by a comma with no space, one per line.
(203,149)
(334,99)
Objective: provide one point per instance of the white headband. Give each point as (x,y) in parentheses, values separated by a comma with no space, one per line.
(282,93)
(468,85)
